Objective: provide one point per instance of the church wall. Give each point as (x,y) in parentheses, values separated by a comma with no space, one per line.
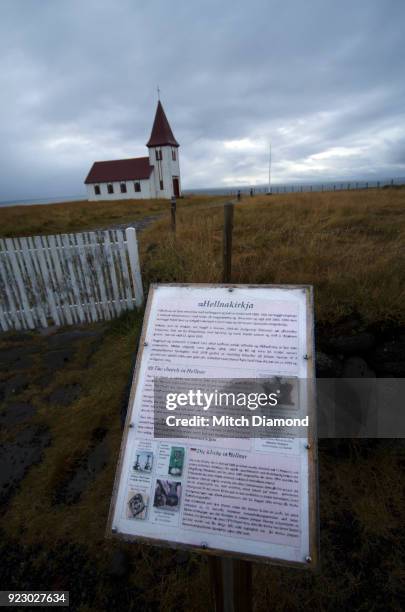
(131,194)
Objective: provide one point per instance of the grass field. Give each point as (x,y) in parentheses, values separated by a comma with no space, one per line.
(83,215)
(350,245)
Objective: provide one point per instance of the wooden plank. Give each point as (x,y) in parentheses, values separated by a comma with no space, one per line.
(63,259)
(12,290)
(76,263)
(53,285)
(132,246)
(91,296)
(111,270)
(67,256)
(93,279)
(11,313)
(24,308)
(124,269)
(23,278)
(115,250)
(47,281)
(56,255)
(5,320)
(80,277)
(28,247)
(97,254)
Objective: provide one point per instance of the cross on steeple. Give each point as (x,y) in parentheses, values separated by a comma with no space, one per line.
(158,92)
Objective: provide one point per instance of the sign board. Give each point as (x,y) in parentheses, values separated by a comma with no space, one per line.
(252,497)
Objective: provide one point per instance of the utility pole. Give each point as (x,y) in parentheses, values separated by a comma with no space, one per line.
(269,190)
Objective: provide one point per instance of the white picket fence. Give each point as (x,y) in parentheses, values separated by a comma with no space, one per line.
(68,278)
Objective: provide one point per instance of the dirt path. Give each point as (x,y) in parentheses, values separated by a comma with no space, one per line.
(139,225)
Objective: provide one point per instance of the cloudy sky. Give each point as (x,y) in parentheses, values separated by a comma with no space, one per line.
(323,80)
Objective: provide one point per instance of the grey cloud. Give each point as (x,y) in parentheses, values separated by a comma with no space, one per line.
(78,82)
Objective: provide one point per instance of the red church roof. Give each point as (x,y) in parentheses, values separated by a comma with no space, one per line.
(120,170)
(161,131)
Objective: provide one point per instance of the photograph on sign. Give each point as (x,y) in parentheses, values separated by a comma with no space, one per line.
(230,477)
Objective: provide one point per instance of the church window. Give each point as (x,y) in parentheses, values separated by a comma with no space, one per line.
(174,154)
(137,186)
(123,188)
(97,189)
(161,185)
(158,154)
(110,188)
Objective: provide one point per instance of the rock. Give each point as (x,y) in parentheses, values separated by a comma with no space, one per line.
(327,366)
(356,367)
(17,413)
(352,344)
(65,395)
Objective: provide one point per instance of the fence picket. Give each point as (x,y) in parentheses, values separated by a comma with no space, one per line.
(65,310)
(72,274)
(93,279)
(115,295)
(89,293)
(79,276)
(6,278)
(29,258)
(52,277)
(63,255)
(45,274)
(132,246)
(97,255)
(24,310)
(126,279)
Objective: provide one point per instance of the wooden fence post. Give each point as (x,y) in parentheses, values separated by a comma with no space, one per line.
(231,584)
(227,243)
(173,214)
(132,245)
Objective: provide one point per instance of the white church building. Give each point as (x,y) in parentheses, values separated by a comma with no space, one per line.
(154,176)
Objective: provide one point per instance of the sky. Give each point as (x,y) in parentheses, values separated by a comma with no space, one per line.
(322,80)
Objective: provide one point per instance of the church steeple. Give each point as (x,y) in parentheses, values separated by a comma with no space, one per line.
(161,134)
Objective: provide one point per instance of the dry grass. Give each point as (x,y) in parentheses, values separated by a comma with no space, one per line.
(361,508)
(349,245)
(83,215)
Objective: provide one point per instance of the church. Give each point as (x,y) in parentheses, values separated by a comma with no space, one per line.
(154,176)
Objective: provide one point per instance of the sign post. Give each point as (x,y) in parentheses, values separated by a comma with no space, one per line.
(231,584)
